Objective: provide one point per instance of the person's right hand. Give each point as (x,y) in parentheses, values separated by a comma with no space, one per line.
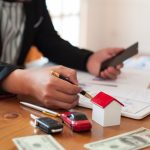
(51,91)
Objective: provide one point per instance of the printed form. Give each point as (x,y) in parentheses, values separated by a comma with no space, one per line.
(131,88)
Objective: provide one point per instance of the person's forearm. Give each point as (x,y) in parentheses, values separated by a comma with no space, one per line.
(15,82)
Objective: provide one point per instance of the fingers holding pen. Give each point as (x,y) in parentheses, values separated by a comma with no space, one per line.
(57,99)
(51,90)
(64,86)
(70,74)
(63,96)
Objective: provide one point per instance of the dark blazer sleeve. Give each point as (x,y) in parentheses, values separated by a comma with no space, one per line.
(57,49)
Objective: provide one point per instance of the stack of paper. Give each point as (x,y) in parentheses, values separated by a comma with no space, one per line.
(131,88)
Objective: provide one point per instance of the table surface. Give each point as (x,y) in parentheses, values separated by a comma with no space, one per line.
(15,122)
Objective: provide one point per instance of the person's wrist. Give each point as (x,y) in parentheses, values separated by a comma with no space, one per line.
(15,82)
(89,64)
(94,63)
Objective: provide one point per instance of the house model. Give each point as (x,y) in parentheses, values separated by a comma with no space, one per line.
(106,110)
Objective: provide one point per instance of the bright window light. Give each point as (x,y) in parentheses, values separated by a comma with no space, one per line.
(66,18)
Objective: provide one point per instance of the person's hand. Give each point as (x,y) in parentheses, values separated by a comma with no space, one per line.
(96,59)
(51,91)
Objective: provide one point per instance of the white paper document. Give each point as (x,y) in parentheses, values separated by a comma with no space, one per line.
(131,77)
(133,93)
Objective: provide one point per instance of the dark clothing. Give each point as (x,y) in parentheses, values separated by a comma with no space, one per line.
(40,32)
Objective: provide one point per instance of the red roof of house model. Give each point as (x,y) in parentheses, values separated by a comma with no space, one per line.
(102,99)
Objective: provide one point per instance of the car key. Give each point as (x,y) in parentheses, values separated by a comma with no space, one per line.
(47,124)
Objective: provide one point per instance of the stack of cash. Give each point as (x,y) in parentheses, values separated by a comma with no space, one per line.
(133,140)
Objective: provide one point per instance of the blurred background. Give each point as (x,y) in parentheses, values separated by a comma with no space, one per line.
(96,24)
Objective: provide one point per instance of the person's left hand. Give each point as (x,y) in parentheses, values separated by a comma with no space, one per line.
(96,59)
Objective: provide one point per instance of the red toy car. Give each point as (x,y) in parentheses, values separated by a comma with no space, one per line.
(77,121)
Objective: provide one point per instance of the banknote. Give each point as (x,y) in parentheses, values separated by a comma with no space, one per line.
(133,140)
(37,142)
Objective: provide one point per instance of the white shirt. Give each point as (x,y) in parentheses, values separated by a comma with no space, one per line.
(12,22)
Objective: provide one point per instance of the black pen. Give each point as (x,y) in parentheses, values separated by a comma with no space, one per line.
(56,74)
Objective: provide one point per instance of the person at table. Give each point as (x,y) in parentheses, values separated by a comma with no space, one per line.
(24,23)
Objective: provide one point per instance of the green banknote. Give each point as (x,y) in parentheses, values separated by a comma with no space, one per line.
(133,140)
(37,142)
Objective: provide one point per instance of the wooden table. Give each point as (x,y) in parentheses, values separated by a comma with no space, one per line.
(15,122)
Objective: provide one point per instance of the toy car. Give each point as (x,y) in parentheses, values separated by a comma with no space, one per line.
(77,121)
